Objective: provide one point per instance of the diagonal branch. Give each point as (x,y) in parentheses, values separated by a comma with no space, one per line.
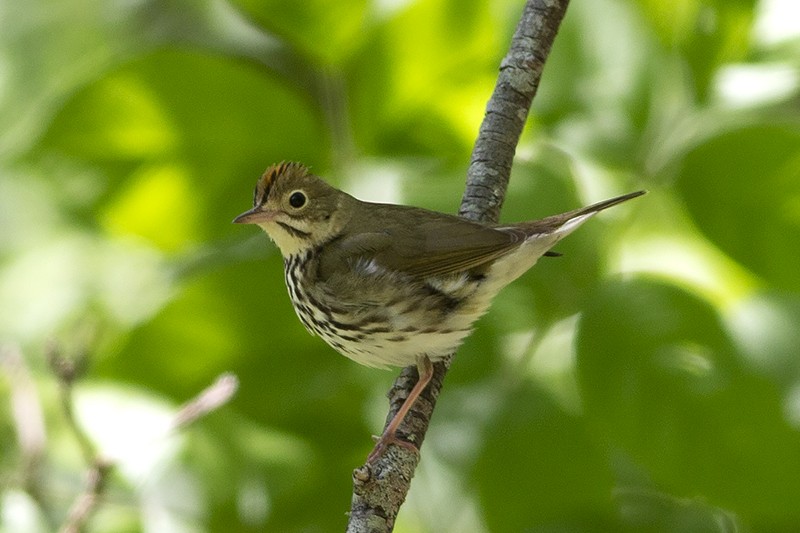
(380,488)
(507,110)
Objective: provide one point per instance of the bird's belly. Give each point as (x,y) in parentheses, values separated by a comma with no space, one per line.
(389,337)
(397,348)
(378,329)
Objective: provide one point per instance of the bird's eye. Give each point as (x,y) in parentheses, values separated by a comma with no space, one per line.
(297,199)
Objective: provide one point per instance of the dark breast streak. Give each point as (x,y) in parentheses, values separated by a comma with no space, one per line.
(383,313)
(293,273)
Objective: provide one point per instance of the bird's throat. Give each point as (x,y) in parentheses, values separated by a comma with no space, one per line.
(288,238)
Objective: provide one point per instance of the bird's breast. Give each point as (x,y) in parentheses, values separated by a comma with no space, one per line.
(383,318)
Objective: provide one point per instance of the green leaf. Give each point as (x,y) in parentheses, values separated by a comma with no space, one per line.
(174,103)
(394,91)
(663,381)
(328,30)
(743,190)
(765,328)
(182,138)
(539,469)
(707,34)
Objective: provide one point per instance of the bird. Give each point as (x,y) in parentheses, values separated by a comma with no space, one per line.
(393,285)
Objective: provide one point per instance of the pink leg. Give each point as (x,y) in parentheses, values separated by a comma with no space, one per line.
(425,370)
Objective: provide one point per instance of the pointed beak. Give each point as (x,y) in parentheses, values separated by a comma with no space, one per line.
(254,216)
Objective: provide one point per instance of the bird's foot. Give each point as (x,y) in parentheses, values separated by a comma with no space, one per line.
(384,441)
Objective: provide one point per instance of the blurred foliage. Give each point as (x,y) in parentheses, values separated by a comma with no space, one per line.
(649,380)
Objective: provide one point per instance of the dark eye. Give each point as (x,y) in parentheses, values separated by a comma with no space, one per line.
(297,199)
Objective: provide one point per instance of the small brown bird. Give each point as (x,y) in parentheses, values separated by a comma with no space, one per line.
(393,285)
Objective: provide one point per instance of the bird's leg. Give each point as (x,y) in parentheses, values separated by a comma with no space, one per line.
(425,371)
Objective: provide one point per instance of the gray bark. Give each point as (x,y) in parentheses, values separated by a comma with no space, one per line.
(380,489)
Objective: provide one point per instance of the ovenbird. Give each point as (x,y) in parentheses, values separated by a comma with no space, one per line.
(393,285)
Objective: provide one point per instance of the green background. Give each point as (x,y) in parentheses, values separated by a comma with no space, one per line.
(648,380)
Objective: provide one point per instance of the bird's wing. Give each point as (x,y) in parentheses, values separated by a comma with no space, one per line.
(423,244)
(450,245)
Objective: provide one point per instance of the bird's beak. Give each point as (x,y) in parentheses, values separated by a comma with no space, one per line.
(255,216)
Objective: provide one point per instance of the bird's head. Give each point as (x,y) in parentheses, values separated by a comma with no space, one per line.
(296,209)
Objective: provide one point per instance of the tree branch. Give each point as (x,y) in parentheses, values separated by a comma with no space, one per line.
(507,110)
(380,488)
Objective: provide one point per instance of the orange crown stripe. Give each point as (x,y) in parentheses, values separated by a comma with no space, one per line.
(271,174)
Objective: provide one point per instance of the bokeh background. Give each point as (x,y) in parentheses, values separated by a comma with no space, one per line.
(648,380)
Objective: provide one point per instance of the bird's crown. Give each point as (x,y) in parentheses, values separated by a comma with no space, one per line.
(284,171)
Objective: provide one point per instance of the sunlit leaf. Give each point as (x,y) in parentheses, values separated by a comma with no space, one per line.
(706,34)
(327,29)
(764,328)
(154,206)
(743,190)
(394,87)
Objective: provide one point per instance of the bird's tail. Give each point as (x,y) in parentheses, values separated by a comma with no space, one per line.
(565,223)
(541,235)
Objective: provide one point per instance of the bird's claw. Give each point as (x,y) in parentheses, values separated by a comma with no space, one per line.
(383,442)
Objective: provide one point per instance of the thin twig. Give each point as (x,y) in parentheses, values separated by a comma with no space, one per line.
(27,416)
(87,502)
(68,370)
(209,399)
(379,489)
